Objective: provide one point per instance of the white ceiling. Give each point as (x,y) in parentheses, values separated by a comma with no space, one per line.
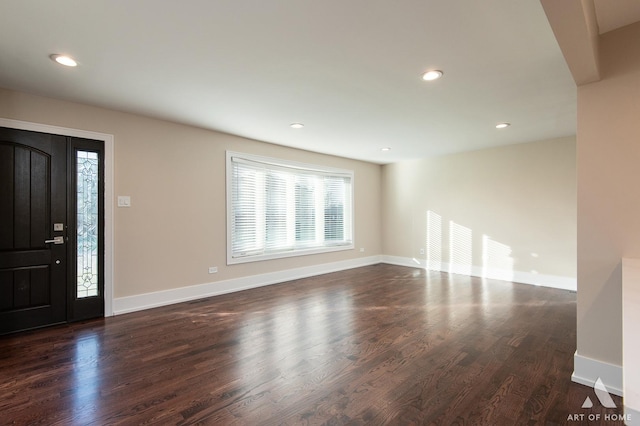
(348,69)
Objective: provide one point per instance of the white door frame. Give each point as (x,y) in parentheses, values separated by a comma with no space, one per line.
(108,191)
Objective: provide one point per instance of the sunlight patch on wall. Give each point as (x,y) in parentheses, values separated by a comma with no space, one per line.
(497,262)
(434,241)
(460,249)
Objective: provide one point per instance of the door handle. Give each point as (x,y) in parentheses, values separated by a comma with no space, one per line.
(56,240)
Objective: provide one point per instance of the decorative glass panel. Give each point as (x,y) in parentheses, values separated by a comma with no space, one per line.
(87,220)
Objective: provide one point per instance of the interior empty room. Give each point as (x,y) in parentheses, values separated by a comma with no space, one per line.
(247,213)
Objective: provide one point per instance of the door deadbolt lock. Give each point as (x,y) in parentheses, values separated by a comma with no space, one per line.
(56,240)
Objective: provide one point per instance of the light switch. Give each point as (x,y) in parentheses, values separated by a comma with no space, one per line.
(124,201)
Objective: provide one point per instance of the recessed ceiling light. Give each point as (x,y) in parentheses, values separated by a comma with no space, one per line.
(502,125)
(432,75)
(297,125)
(64,60)
(385,149)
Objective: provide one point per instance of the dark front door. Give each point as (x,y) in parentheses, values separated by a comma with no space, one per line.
(39,266)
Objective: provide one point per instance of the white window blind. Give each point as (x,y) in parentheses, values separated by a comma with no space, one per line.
(277,208)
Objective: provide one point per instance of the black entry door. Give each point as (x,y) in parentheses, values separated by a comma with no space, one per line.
(38,240)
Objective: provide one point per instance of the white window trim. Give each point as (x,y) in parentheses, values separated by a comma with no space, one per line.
(289,164)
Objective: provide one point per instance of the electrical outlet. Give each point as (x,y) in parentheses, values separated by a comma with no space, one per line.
(213,269)
(361,249)
(421,251)
(124,201)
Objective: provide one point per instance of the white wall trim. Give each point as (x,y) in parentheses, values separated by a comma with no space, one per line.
(140,302)
(630,336)
(587,370)
(108,191)
(553,281)
(403,261)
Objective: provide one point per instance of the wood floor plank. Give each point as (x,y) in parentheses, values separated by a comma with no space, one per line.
(379,345)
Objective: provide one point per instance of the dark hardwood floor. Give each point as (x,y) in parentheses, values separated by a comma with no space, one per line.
(370,346)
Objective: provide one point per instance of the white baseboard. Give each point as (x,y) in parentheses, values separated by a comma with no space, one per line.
(587,370)
(403,261)
(554,281)
(122,305)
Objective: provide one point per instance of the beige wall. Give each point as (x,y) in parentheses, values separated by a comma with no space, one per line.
(175,175)
(608,200)
(522,197)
